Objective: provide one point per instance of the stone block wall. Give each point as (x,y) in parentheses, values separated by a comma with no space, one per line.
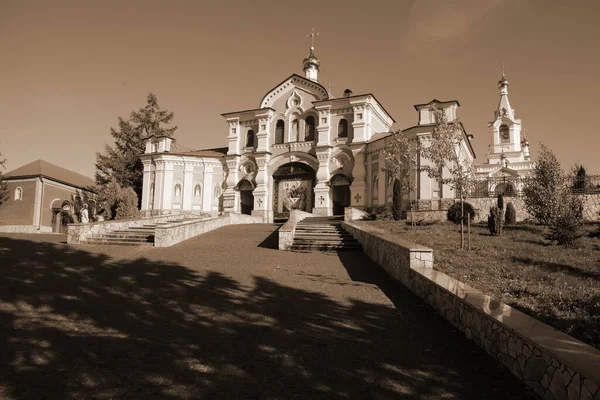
(286,232)
(555,365)
(173,233)
(354,214)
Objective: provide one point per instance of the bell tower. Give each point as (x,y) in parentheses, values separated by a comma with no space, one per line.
(505,130)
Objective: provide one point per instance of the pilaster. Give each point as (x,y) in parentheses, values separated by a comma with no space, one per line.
(208,196)
(358,188)
(264,131)
(324,126)
(146,185)
(159,185)
(234,136)
(188,186)
(262,199)
(231,200)
(323,201)
(360,123)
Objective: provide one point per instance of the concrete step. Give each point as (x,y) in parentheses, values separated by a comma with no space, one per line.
(114,235)
(325,248)
(118,243)
(104,238)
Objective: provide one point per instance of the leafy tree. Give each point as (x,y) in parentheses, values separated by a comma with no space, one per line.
(544,190)
(121,162)
(443,153)
(400,163)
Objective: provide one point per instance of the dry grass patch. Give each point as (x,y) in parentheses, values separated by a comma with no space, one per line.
(557,285)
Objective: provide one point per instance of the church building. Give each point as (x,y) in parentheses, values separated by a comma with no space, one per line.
(508,160)
(300,148)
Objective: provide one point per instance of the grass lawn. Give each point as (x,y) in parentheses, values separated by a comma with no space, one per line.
(559,286)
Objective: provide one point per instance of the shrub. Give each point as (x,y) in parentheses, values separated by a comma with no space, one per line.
(567,226)
(127,204)
(495,221)
(381,213)
(510,217)
(454,212)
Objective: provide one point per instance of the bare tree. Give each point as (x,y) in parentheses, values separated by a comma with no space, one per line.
(443,154)
(401,165)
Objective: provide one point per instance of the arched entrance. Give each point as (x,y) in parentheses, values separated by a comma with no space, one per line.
(246,196)
(340,187)
(505,188)
(293,185)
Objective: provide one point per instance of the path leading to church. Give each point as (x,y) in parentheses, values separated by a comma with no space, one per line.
(223,315)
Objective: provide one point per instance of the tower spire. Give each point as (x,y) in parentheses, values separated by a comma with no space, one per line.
(504,108)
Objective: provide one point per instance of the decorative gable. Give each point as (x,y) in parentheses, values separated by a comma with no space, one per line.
(297,83)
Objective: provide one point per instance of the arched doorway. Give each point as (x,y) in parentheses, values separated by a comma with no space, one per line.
(505,188)
(340,187)
(293,186)
(246,197)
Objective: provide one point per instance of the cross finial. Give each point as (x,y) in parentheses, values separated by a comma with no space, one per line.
(312,35)
(503,68)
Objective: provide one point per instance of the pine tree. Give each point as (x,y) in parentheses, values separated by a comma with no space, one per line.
(121,161)
(545,189)
(400,164)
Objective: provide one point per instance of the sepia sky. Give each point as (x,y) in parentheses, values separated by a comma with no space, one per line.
(68,69)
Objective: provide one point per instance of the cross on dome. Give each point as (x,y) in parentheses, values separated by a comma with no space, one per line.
(312,35)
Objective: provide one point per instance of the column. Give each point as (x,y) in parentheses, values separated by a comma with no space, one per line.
(358,188)
(323,201)
(262,201)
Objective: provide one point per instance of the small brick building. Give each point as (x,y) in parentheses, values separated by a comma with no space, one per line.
(43,197)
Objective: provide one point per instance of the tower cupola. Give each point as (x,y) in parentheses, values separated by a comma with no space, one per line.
(310,65)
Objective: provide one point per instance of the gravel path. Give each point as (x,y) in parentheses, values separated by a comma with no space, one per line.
(223,315)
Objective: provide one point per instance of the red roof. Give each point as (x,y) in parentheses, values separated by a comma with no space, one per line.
(53,172)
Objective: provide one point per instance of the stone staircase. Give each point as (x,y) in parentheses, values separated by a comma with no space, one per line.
(137,236)
(323,234)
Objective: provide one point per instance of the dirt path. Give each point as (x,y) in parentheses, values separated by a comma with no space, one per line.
(223,315)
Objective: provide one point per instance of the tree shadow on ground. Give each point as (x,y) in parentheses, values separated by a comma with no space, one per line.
(557,267)
(77,324)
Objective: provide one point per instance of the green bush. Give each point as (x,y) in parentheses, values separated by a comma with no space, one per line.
(510,218)
(454,212)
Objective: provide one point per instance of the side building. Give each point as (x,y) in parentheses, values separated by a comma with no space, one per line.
(41,196)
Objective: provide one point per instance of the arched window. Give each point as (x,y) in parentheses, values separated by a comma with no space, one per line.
(309,128)
(343,128)
(18,194)
(177,190)
(504,134)
(375,187)
(217,192)
(279,131)
(250,138)
(295,131)
(197,192)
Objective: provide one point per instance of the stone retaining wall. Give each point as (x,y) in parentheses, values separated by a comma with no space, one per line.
(170,234)
(555,365)
(25,229)
(286,232)
(78,233)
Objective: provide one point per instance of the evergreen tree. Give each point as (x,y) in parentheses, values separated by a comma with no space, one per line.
(121,161)
(400,164)
(545,189)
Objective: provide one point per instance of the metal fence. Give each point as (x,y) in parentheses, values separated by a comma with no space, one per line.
(513,186)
